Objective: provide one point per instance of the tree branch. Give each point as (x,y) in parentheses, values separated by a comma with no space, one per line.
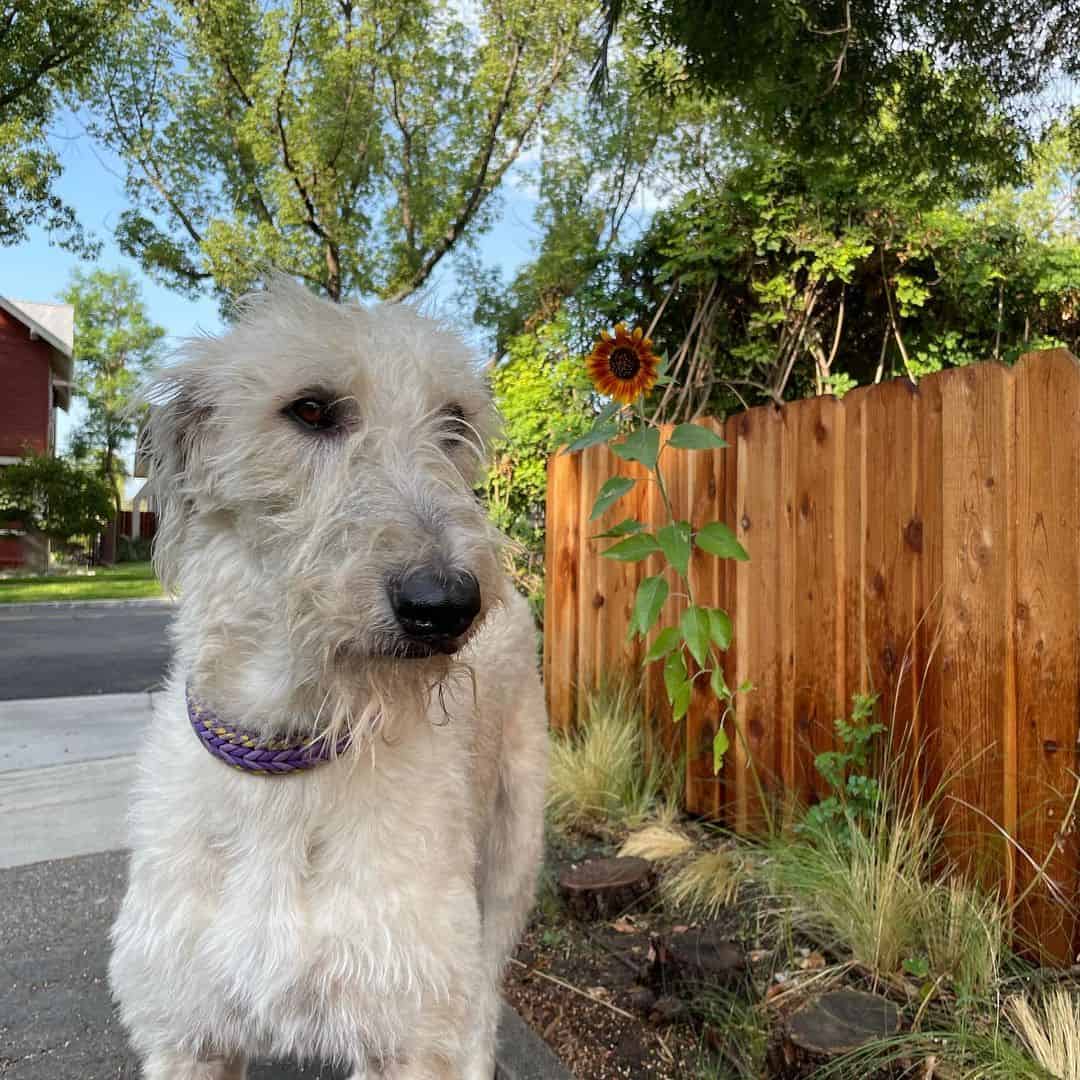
(486,178)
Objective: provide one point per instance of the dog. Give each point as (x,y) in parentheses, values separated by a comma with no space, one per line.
(337,823)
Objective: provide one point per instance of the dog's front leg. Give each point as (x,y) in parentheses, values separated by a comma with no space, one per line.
(169,1065)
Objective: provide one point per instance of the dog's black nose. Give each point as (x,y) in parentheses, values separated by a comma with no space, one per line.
(436,607)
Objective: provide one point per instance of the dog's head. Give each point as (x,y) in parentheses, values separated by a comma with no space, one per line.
(315,467)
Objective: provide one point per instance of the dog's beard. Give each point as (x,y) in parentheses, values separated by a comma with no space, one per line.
(368,699)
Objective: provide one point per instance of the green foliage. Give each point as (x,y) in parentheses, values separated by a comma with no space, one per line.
(352,146)
(701,630)
(544,401)
(854,795)
(115,342)
(46,50)
(813,237)
(912,87)
(57,497)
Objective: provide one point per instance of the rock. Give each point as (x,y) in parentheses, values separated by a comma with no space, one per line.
(641,998)
(667,1010)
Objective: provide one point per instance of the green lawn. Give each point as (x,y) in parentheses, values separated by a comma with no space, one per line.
(124,582)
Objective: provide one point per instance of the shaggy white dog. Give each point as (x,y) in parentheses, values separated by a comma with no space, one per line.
(337,578)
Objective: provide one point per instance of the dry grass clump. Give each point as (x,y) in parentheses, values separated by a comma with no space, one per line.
(706,884)
(872,889)
(1049,1029)
(599,775)
(657,843)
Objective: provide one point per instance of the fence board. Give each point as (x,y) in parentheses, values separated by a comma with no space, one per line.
(763,529)
(707,479)
(1047,618)
(976,643)
(921,542)
(817,559)
(892,552)
(561,621)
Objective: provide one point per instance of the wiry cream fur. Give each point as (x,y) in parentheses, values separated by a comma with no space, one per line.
(359,913)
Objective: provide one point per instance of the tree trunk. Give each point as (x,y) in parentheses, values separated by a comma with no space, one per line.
(831,1026)
(605,888)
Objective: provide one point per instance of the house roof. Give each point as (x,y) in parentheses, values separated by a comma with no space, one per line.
(55,325)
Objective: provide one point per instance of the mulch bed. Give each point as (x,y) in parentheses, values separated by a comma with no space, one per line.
(610,993)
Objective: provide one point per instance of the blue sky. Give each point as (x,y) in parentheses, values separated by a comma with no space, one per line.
(92,183)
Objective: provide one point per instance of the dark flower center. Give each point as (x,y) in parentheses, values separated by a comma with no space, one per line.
(624,363)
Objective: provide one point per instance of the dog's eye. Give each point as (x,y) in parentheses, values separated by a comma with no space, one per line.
(312,413)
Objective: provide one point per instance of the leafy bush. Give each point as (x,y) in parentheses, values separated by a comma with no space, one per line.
(545,401)
(54,496)
(137,550)
(855,794)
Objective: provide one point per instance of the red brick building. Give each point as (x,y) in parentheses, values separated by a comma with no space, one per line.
(36,343)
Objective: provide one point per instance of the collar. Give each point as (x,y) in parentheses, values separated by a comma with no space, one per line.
(245,750)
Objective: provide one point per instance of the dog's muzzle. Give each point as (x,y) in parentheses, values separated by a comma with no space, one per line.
(434,609)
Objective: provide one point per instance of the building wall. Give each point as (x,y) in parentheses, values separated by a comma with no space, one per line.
(25,390)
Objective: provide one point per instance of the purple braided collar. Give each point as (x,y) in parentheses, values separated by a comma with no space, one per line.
(243,749)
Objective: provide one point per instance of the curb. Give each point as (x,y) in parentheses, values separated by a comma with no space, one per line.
(521,1054)
(101,605)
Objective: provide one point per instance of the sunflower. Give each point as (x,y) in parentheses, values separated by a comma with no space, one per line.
(623,365)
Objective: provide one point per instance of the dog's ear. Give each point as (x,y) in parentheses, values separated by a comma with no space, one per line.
(171,440)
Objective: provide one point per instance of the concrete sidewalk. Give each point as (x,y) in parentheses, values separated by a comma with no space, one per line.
(66,766)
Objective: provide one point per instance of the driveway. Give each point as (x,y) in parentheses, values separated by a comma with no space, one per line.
(64,650)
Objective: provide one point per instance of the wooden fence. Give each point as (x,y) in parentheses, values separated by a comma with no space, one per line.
(923,542)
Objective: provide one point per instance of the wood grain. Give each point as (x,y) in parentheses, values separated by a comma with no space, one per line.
(1047,622)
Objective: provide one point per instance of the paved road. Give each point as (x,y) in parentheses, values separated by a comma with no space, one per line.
(57,1021)
(83,649)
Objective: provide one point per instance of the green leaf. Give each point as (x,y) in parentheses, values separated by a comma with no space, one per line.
(717,539)
(626,527)
(720,746)
(695,630)
(745,687)
(695,437)
(664,642)
(674,541)
(633,548)
(599,434)
(608,411)
(674,673)
(720,628)
(642,445)
(680,701)
(718,684)
(612,491)
(651,594)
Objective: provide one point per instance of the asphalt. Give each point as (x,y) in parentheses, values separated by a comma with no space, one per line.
(72,649)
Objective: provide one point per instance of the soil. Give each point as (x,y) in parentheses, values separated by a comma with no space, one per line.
(611,995)
(598,993)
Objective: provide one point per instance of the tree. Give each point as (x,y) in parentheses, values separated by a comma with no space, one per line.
(45,52)
(352,146)
(115,342)
(59,498)
(958,80)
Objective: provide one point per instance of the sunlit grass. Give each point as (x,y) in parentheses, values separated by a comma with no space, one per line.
(128,581)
